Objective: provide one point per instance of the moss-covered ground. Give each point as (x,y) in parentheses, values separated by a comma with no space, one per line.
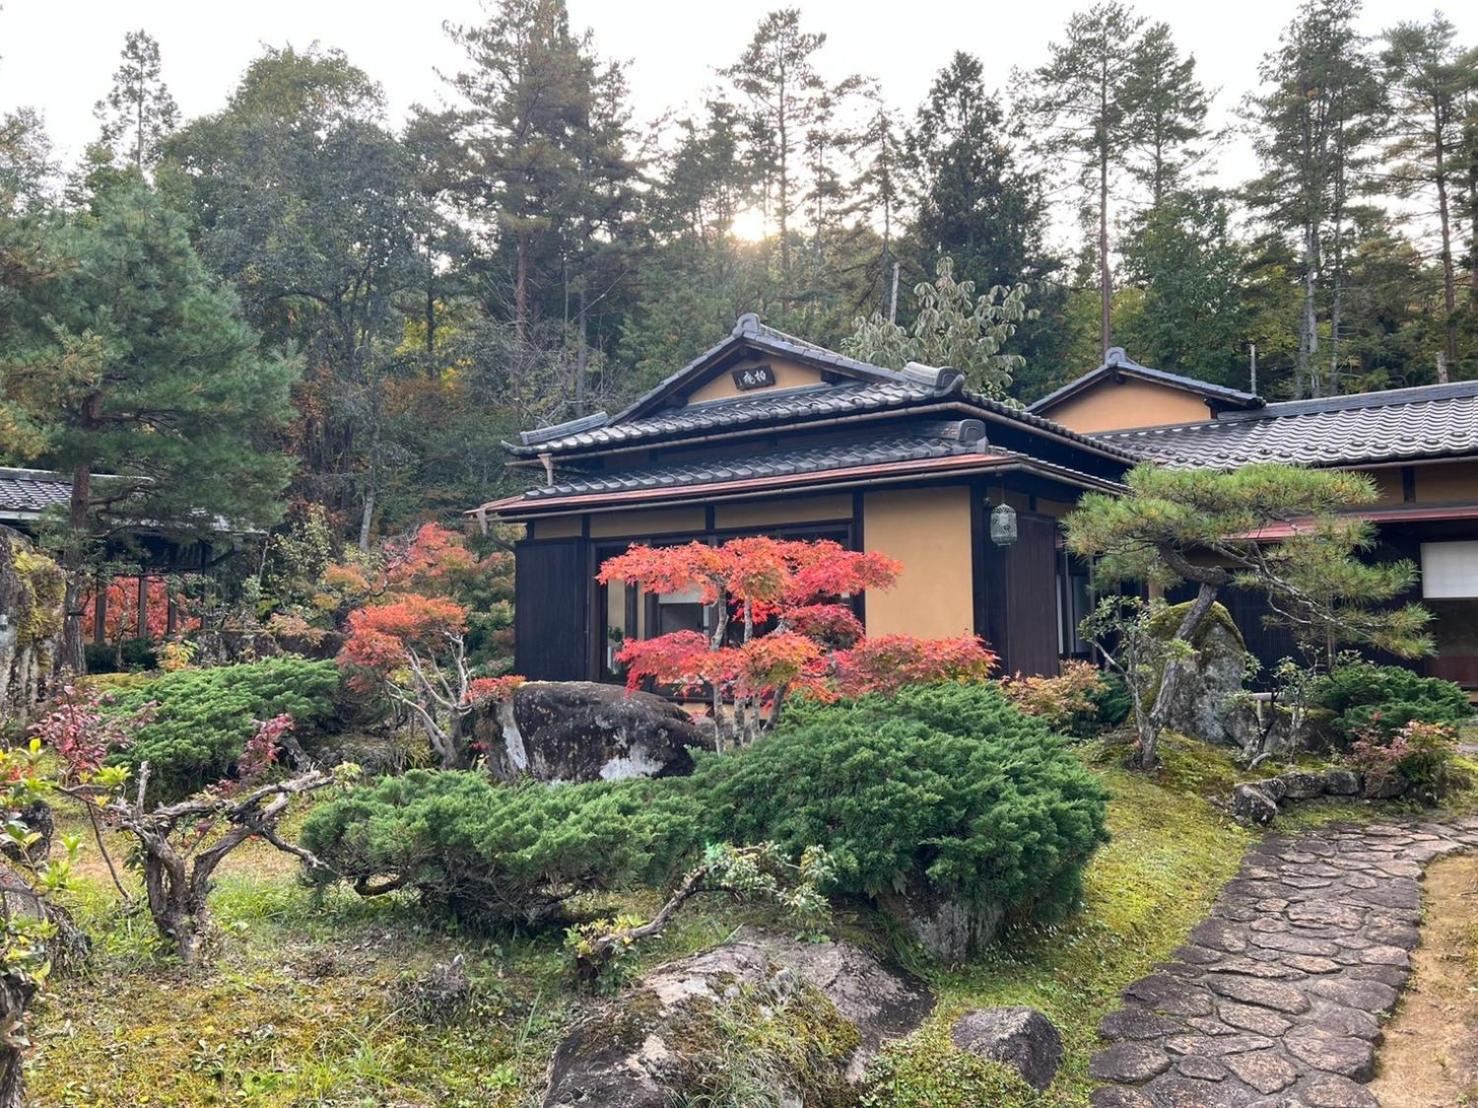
(306,1004)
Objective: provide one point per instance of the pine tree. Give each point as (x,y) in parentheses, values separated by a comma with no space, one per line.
(1316,122)
(1085,111)
(138,113)
(777,74)
(139,364)
(877,190)
(1168,105)
(976,204)
(528,90)
(1429,78)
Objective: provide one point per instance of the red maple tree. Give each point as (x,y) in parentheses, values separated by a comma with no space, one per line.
(779,620)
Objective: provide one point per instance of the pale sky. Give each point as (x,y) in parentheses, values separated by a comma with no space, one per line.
(58,55)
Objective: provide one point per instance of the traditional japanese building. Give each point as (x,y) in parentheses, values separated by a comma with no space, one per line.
(766,433)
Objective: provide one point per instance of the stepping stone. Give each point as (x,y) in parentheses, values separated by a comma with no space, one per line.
(1327,914)
(1217,1045)
(1265,1071)
(1220,935)
(1118,1096)
(1368,996)
(1295,944)
(1343,1021)
(1311,963)
(1337,1054)
(1386,956)
(1249,1017)
(1327,1091)
(1174,1091)
(1169,994)
(1134,1022)
(1202,1068)
(1265,994)
(1128,1063)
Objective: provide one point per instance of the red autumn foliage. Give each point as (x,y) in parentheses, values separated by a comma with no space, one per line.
(382,636)
(122,618)
(815,642)
(483,691)
(887,663)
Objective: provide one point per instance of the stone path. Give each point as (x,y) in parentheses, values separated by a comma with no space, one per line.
(1276,1000)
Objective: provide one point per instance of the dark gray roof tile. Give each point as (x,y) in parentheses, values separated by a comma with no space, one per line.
(1423,422)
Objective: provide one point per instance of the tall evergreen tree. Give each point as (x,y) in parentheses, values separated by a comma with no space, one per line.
(1317,118)
(529,91)
(877,192)
(1430,78)
(138,363)
(1085,111)
(790,103)
(138,113)
(1168,105)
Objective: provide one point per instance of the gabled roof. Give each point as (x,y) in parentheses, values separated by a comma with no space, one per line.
(925,450)
(864,389)
(1428,421)
(1117,364)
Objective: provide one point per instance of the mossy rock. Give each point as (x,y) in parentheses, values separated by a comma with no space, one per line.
(1165,623)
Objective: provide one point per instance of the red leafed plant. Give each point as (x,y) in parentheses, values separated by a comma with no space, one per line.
(413,649)
(783,601)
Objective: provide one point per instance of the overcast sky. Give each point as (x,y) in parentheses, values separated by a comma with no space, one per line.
(58,55)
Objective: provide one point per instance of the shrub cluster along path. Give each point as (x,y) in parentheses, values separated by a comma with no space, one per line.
(1276,1000)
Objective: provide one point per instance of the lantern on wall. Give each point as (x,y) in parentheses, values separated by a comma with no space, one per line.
(1003,524)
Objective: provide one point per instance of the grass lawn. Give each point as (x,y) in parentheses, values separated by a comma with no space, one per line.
(306,1003)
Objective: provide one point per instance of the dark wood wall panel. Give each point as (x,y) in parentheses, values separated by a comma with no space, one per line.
(550,619)
(1020,600)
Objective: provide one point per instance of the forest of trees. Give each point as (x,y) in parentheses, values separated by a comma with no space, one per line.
(293,301)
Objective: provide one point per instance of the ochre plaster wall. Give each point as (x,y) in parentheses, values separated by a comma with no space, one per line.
(1447,481)
(805,509)
(1110,406)
(640,524)
(928,530)
(559,527)
(788,375)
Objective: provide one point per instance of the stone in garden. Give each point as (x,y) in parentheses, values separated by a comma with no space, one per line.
(1298,785)
(1339,1054)
(1266,994)
(1384,786)
(1021,1038)
(1134,1022)
(1328,1091)
(1252,802)
(583,731)
(1367,996)
(1204,697)
(951,929)
(1342,782)
(639,1051)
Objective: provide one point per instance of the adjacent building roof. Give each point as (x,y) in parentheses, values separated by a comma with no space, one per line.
(27,493)
(1429,421)
(1117,364)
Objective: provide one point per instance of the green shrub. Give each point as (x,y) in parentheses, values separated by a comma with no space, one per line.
(947,787)
(477,849)
(204,716)
(1112,703)
(948,784)
(100,657)
(1367,698)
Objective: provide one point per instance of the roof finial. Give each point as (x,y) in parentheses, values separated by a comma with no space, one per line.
(749,324)
(1115,355)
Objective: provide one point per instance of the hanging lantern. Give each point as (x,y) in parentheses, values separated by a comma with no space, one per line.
(1003,524)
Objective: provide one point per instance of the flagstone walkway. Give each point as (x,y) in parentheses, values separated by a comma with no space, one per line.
(1276,999)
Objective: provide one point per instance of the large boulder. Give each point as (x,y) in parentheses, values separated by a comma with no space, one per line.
(949,928)
(582,731)
(32,590)
(1021,1038)
(666,1040)
(1206,700)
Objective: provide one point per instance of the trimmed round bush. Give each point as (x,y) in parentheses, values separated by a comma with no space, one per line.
(1383,699)
(946,783)
(203,717)
(478,849)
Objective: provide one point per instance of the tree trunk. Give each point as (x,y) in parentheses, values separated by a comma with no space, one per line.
(15,997)
(582,357)
(1444,218)
(521,288)
(73,558)
(1105,284)
(1175,670)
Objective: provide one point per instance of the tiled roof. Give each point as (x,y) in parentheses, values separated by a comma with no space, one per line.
(816,459)
(28,492)
(743,411)
(1424,422)
(1118,363)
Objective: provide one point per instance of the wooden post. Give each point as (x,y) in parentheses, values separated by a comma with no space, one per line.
(144,606)
(171,612)
(100,611)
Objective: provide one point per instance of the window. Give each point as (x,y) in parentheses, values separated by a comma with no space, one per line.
(1074,604)
(1449,570)
(681,611)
